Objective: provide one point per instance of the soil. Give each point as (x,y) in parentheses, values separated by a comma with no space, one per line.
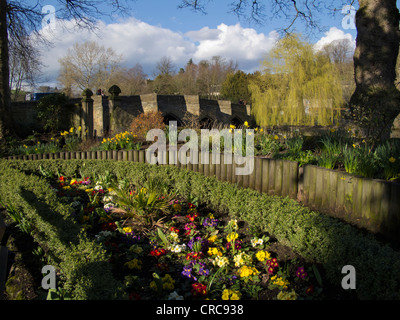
(23,277)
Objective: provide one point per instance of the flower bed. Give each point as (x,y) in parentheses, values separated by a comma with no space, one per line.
(166,247)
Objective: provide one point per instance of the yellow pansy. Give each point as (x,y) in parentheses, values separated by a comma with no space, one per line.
(127,229)
(228,294)
(232,236)
(134,264)
(286,295)
(212,239)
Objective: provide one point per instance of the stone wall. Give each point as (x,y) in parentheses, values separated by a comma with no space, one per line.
(24,115)
(115,114)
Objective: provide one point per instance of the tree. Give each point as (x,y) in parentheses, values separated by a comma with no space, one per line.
(88,66)
(375,102)
(340,53)
(5,112)
(132,81)
(211,75)
(24,65)
(186,79)
(164,81)
(236,87)
(20,18)
(301,86)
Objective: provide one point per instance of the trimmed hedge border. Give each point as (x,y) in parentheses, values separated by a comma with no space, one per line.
(317,237)
(82,263)
(371,204)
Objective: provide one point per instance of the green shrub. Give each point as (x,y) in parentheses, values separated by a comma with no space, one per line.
(81,262)
(318,238)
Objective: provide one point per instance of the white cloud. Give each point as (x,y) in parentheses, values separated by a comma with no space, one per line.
(203,34)
(243,45)
(140,42)
(334,34)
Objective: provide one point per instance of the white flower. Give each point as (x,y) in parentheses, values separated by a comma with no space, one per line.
(174,296)
(109,205)
(233,224)
(220,261)
(98,187)
(174,236)
(178,248)
(107,199)
(255,242)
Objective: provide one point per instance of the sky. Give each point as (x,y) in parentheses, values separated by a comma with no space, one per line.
(157,28)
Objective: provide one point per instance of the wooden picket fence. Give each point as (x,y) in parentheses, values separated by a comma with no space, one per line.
(368,203)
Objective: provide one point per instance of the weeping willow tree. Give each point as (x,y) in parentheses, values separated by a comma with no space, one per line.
(298,86)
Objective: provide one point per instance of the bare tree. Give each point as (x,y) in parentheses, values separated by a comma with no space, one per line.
(132,81)
(165,66)
(24,65)
(19,19)
(88,66)
(338,51)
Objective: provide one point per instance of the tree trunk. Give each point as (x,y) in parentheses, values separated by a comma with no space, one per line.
(376,101)
(5,102)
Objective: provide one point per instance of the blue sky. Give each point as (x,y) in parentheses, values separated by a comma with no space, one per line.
(157,28)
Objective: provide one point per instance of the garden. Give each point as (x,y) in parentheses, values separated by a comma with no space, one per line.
(127,230)
(337,147)
(163,246)
(117,230)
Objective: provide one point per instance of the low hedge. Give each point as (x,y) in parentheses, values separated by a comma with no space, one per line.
(82,263)
(316,237)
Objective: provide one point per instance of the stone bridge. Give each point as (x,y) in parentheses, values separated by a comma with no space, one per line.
(103,115)
(115,113)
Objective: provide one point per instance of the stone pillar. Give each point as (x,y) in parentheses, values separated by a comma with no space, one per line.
(193,104)
(149,102)
(114,102)
(87,110)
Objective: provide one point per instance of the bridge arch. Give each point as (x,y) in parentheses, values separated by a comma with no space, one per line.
(237,122)
(171,117)
(206,122)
